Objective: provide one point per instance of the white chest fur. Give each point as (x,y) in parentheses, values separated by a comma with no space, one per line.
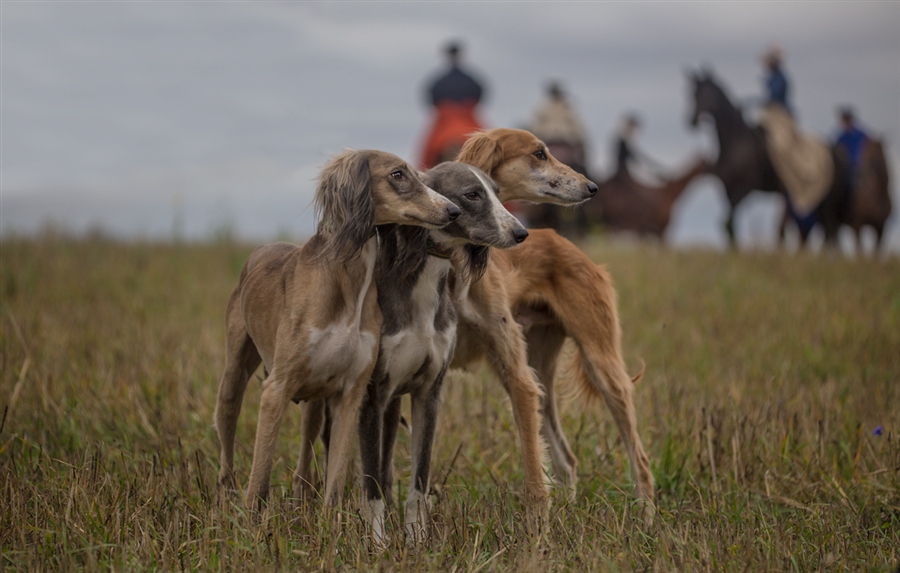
(341,352)
(405,351)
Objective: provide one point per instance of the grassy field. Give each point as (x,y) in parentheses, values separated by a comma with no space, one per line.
(770,408)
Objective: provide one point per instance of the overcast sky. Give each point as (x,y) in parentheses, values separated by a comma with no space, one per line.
(151,118)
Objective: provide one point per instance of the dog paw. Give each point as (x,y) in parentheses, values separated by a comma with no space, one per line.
(418,509)
(374,514)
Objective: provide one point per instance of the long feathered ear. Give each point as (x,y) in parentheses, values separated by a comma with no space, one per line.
(477,257)
(481,151)
(344,201)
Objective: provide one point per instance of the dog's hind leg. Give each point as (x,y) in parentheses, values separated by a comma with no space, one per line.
(425,403)
(241,360)
(608,376)
(311,426)
(544,345)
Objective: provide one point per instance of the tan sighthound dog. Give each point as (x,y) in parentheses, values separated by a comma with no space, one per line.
(310,313)
(553,291)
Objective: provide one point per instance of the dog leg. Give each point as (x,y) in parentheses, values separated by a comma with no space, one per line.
(544,345)
(272,405)
(389,429)
(425,403)
(344,425)
(507,356)
(610,378)
(313,418)
(370,425)
(241,360)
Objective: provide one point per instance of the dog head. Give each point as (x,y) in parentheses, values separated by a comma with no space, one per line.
(483,222)
(483,219)
(523,168)
(361,189)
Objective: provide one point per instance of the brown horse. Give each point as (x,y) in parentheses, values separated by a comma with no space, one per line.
(870,201)
(868,204)
(624,204)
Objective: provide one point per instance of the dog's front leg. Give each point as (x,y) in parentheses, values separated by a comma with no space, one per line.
(507,357)
(370,428)
(271,409)
(389,427)
(425,402)
(344,423)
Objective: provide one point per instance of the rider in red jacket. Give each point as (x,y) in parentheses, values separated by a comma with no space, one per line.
(454,96)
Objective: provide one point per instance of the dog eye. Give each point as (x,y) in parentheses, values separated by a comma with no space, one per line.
(397,175)
(540,154)
(471,196)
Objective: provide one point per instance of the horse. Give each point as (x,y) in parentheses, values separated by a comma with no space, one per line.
(870,201)
(744,164)
(624,204)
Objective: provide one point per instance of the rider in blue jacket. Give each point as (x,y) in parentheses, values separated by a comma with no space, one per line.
(852,139)
(777,85)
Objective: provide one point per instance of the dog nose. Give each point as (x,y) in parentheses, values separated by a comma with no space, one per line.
(453,212)
(520,234)
(592,188)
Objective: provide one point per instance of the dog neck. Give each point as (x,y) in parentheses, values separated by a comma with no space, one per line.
(435,249)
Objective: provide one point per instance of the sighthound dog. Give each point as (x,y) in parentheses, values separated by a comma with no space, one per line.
(311,315)
(554,291)
(418,335)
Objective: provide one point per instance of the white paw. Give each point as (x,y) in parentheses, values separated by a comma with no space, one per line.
(418,509)
(374,515)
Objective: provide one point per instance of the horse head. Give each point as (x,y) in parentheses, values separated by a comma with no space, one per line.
(708,96)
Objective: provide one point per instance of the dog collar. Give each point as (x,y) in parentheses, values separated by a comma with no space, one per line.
(436,250)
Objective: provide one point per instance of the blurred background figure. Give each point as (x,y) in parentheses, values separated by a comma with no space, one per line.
(804,163)
(557,124)
(867,176)
(454,96)
(776,82)
(627,153)
(852,139)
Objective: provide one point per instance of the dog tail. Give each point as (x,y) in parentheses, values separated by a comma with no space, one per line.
(637,377)
(581,388)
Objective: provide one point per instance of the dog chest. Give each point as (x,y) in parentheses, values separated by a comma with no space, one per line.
(336,357)
(427,337)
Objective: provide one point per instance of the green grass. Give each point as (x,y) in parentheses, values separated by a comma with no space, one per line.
(766,375)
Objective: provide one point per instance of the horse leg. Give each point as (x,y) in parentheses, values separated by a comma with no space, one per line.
(729,229)
(782,226)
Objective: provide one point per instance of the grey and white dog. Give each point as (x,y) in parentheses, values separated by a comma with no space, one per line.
(418,335)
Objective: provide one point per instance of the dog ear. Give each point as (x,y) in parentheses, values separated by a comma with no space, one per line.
(477,257)
(482,151)
(344,200)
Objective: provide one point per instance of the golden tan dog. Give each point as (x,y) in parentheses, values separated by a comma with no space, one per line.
(530,299)
(310,313)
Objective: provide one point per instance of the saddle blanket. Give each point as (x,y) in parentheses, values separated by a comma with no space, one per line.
(802,162)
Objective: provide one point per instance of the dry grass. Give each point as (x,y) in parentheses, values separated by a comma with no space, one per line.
(766,375)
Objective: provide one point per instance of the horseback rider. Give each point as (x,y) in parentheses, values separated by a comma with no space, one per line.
(804,164)
(852,139)
(454,95)
(557,124)
(626,152)
(776,82)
